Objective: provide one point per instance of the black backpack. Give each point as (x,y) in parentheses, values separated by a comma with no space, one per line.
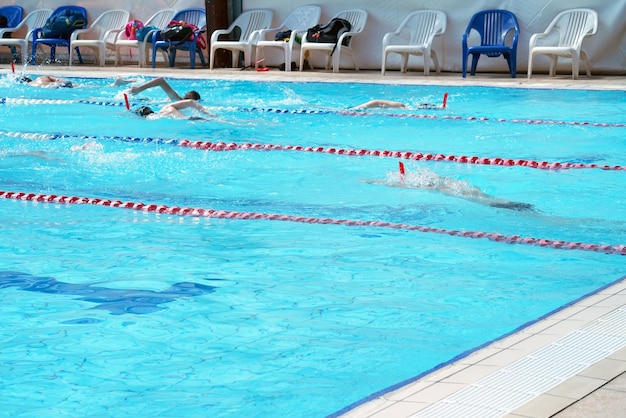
(180,33)
(330,32)
(63,24)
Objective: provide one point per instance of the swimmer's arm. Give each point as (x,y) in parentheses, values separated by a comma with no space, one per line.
(157,82)
(119,81)
(379,103)
(186,103)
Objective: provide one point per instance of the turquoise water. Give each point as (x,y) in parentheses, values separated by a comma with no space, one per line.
(109,311)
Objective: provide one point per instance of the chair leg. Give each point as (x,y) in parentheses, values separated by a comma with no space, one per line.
(475,58)
(585,61)
(510,60)
(383,64)
(234,59)
(575,66)
(211,58)
(302,53)
(553,61)
(336,59)
(201,55)
(24,51)
(433,54)
(530,64)
(356,64)
(405,63)
(287,60)
(172,57)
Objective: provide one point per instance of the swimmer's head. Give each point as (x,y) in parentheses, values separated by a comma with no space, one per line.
(24,79)
(66,84)
(144,111)
(192,95)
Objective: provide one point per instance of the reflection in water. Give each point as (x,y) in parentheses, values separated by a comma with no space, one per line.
(117,301)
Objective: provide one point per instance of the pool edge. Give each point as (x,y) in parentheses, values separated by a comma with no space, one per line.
(438,387)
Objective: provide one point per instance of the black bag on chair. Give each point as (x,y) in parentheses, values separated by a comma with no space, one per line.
(330,32)
(63,24)
(180,33)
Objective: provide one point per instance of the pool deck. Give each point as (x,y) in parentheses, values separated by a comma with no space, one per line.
(568,365)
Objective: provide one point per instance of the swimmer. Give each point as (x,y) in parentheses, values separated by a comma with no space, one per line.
(164,85)
(46,81)
(87,146)
(387,104)
(378,104)
(173,110)
(429,180)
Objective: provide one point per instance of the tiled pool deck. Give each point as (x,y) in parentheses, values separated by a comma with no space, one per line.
(571,364)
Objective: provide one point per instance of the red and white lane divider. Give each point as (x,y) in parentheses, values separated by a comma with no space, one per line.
(408,155)
(224,214)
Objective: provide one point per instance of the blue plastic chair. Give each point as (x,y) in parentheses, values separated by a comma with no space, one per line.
(493,26)
(14,15)
(195,16)
(54,42)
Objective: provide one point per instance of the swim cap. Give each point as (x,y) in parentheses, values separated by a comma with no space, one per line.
(144,111)
(66,84)
(24,79)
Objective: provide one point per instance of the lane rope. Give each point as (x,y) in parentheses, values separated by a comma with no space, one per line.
(407,155)
(224,214)
(18,101)
(8,100)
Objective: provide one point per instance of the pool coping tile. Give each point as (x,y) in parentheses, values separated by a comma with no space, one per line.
(438,387)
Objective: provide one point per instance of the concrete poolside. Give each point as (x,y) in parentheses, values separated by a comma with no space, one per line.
(475,385)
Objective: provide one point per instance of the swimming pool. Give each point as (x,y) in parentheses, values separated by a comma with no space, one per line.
(310,288)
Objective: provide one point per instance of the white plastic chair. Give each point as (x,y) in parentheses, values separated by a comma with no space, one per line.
(564,38)
(248,22)
(298,21)
(357,19)
(415,36)
(106,28)
(35,19)
(159,20)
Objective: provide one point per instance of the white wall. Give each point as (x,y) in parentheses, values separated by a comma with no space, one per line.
(606,50)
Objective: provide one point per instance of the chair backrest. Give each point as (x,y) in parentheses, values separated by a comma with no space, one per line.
(13,15)
(573,25)
(161,18)
(251,21)
(108,21)
(62,9)
(424,25)
(493,26)
(195,16)
(36,19)
(356,17)
(302,18)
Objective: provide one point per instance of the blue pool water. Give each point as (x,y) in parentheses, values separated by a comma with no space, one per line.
(112,311)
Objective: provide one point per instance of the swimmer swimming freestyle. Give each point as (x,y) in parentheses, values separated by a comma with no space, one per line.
(429,180)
